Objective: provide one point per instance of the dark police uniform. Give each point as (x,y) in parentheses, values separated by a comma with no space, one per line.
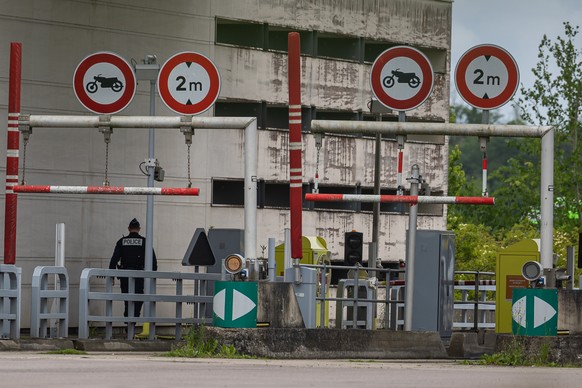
(129,253)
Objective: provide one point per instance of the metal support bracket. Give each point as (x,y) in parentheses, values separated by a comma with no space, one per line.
(151,162)
(483,143)
(24,126)
(187,129)
(318,139)
(401,139)
(105,127)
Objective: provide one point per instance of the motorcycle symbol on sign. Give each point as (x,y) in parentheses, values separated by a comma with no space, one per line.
(403,78)
(112,82)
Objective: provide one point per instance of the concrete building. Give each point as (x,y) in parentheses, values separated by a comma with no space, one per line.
(247,40)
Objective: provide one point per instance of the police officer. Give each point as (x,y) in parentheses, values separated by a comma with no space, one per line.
(129,253)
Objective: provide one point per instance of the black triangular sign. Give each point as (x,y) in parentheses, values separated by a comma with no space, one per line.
(188,64)
(188,102)
(487,57)
(199,251)
(485,96)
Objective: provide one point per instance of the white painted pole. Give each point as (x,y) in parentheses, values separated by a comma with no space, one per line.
(271,263)
(60,245)
(251,165)
(410,128)
(547,201)
(546,133)
(411,250)
(249,124)
(59,262)
(143,122)
(287,254)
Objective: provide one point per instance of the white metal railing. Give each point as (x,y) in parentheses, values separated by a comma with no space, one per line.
(88,295)
(10,296)
(40,302)
(483,308)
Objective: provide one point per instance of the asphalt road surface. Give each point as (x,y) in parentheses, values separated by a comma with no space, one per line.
(27,369)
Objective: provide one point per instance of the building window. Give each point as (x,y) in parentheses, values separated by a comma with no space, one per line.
(264,36)
(240,33)
(230,192)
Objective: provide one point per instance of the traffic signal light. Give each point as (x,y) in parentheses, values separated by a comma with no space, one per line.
(353,245)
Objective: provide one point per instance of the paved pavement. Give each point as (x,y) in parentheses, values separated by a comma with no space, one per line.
(131,369)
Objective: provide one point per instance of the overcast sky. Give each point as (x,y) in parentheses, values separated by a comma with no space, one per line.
(516,25)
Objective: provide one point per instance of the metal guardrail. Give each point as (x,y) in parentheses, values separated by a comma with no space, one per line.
(40,306)
(352,303)
(10,297)
(393,302)
(87,296)
(480,305)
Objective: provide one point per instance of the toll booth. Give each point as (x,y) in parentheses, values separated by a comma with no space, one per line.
(508,277)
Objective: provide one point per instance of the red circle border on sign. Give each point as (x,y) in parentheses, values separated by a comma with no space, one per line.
(427,75)
(207,101)
(512,72)
(115,60)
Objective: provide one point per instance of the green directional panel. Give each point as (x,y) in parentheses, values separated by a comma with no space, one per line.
(235,304)
(534,312)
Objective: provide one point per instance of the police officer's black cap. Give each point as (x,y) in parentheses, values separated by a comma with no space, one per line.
(134,223)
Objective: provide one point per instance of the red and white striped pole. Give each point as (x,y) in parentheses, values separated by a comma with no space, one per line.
(12,147)
(399,170)
(412,199)
(295,170)
(484,166)
(191,191)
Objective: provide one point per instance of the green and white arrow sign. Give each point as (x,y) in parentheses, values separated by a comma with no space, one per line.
(534,312)
(235,304)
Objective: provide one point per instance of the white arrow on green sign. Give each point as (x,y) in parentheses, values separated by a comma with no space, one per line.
(535,312)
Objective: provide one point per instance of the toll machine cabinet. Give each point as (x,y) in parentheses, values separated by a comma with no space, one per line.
(314,249)
(433,300)
(223,242)
(508,277)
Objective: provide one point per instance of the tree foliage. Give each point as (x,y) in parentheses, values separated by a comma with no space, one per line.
(555,99)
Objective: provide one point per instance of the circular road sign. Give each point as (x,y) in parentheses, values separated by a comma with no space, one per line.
(189,83)
(401,78)
(486,76)
(104,83)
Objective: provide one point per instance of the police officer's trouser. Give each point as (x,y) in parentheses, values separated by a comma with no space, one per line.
(124,282)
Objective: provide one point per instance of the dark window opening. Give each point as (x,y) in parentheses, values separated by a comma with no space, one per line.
(323,44)
(278,39)
(240,33)
(228,192)
(276,195)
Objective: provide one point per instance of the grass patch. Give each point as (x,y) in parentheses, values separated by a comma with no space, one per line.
(199,345)
(515,354)
(67,351)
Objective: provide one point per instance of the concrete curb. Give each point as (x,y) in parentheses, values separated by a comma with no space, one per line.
(36,344)
(471,344)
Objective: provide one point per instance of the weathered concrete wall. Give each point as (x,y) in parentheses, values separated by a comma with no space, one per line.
(425,23)
(565,349)
(570,310)
(330,343)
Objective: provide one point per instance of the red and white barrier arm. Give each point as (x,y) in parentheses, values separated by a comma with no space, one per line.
(107,190)
(413,199)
